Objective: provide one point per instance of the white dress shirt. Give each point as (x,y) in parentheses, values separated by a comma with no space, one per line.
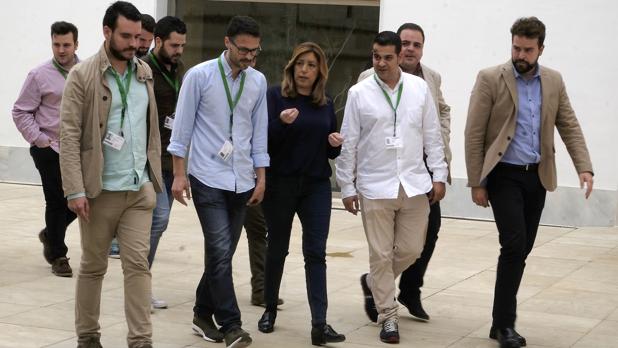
(366,166)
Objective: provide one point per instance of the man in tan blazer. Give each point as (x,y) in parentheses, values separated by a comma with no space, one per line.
(509,143)
(110,160)
(412,43)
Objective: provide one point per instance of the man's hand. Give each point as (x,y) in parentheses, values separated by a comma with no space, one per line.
(437,192)
(335,139)
(180,186)
(479,196)
(288,116)
(80,207)
(258,194)
(351,204)
(585,178)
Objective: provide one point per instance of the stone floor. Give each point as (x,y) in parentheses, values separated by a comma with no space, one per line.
(569,295)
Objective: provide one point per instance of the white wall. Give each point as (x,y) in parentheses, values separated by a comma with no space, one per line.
(463,37)
(25,37)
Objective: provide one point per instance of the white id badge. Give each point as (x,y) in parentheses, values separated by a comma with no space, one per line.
(226,150)
(113,140)
(169,122)
(393,142)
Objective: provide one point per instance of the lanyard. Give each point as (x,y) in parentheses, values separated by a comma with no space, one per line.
(173,83)
(124,91)
(59,68)
(231,103)
(390,102)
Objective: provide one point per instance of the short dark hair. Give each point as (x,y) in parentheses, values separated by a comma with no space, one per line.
(529,27)
(148,23)
(242,25)
(411,26)
(120,8)
(388,38)
(63,28)
(167,25)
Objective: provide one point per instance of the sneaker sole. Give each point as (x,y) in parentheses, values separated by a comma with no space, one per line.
(239,343)
(65,275)
(198,331)
(114,256)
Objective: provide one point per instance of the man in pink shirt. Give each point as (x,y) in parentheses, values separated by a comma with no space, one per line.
(37,116)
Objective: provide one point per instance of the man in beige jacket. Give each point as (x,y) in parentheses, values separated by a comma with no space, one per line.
(513,111)
(111,168)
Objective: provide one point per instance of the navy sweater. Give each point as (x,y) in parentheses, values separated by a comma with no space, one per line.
(300,148)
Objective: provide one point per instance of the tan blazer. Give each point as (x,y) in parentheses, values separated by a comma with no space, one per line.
(85,106)
(492,117)
(434,81)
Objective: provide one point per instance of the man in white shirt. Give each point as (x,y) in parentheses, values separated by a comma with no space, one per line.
(389,120)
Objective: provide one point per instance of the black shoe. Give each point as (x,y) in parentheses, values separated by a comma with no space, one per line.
(325,334)
(206,328)
(390,331)
(370,304)
(414,306)
(508,338)
(46,248)
(237,338)
(266,324)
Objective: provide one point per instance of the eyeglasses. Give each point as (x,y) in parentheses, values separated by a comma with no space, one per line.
(244,50)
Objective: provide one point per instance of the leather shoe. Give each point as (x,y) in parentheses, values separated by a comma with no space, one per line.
(266,324)
(325,334)
(414,306)
(370,304)
(507,337)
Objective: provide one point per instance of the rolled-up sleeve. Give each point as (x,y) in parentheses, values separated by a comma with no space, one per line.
(186,110)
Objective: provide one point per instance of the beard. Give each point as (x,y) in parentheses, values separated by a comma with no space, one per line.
(125,54)
(167,58)
(141,52)
(523,67)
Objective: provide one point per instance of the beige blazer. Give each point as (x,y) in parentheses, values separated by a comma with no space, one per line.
(85,106)
(492,117)
(433,80)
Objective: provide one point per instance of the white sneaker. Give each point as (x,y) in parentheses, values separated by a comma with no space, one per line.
(157,304)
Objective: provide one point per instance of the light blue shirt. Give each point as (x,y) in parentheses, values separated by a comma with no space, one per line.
(525,147)
(203,120)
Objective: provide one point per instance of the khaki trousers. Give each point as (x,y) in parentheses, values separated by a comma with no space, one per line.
(395,230)
(128,215)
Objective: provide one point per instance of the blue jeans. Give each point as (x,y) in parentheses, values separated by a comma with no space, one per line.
(221,215)
(161,214)
(310,198)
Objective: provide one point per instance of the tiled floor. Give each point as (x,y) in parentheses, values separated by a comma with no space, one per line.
(569,296)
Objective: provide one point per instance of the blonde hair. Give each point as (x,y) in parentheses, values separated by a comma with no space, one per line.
(288,86)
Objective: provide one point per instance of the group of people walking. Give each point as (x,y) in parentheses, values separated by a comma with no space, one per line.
(116,139)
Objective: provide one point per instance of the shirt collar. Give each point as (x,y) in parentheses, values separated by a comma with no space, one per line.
(62,67)
(537,73)
(385,86)
(226,67)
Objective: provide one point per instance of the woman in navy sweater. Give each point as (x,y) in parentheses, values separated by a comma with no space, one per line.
(302,136)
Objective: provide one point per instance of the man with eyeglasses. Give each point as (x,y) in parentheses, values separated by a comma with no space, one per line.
(222,112)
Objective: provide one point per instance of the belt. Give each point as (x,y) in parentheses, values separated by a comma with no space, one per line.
(532,167)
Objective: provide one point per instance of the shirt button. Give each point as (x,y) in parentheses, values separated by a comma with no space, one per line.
(104,98)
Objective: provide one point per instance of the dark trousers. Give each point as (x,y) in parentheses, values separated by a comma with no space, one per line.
(57,214)
(161,214)
(310,198)
(517,199)
(412,278)
(255,226)
(221,214)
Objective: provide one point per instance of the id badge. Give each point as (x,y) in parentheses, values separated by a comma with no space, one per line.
(169,122)
(393,142)
(113,140)
(226,150)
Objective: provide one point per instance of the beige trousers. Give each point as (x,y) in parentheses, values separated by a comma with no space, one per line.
(128,215)
(396,231)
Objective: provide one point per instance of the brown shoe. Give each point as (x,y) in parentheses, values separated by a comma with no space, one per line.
(46,248)
(61,268)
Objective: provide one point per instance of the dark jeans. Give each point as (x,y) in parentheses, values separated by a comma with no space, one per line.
(221,215)
(412,278)
(517,199)
(57,214)
(310,198)
(255,226)
(161,214)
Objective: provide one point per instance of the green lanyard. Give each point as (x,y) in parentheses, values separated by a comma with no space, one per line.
(59,68)
(390,102)
(124,91)
(173,83)
(231,103)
